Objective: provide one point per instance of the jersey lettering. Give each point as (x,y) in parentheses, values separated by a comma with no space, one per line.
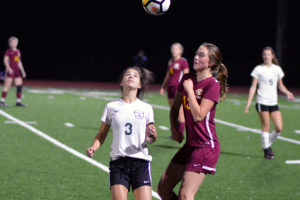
(186,102)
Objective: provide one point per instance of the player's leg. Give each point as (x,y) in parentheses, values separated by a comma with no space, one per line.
(265,141)
(170,178)
(19,86)
(7,84)
(278,125)
(143,193)
(191,183)
(119,192)
(170,101)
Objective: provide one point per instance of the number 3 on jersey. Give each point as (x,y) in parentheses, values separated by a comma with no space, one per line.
(129,128)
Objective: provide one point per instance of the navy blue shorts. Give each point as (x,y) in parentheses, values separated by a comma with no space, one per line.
(265,108)
(130,172)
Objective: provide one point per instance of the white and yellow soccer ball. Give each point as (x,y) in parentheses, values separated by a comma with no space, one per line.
(156,7)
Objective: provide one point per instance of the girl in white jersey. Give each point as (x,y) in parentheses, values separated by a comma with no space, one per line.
(132,127)
(268,76)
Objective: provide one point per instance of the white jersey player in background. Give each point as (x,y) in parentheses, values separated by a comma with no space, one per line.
(268,76)
(132,123)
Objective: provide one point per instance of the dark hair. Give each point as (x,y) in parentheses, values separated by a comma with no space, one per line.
(215,57)
(146,77)
(274,60)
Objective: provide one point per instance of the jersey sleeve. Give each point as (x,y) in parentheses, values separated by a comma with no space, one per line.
(213,92)
(7,52)
(150,117)
(185,64)
(280,73)
(255,72)
(106,115)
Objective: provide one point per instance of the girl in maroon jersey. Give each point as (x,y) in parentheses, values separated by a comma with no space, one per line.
(177,66)
(199,95)
(14,71)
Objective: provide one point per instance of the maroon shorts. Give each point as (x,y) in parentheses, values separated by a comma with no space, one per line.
(171,90)
(16,74)
(197,159)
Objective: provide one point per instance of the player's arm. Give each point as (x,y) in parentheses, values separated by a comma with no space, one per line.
(151,133)
(199,112)
(164,84)
(176,135)
(99,139)
(252,91)
(186,70)
(283,89)
(20,65)
(6,63)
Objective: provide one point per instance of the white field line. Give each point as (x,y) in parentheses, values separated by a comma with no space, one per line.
(239,127)
(61,145)
(292,162)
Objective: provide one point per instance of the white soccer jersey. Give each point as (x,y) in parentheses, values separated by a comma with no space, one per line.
(267,83)
(128,123)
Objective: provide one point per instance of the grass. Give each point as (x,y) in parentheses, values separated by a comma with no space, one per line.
(33,168)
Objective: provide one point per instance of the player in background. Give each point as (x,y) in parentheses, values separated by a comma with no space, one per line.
(132,123)
(177,66)
(268,76)
(14,71)
(199,94)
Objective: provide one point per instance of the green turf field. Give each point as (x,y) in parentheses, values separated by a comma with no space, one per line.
(33,168)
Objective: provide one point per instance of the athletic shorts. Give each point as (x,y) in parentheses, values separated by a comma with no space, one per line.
(264,108)
(16,74)
(130,172)
(197,159)
(171,90)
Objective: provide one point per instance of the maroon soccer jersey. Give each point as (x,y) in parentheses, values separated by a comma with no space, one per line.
(176,71)
(14,58)
(201,134)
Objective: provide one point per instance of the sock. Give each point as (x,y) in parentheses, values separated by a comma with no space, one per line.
(273,136)
(19,100)
(181,126)
(19,91)
(3,96)
(265,140)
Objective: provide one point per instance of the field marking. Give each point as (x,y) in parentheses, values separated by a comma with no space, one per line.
(61,145)
(13,122)
(292,162)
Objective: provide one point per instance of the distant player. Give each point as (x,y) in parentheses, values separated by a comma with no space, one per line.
(177,66)
(14,71)
(132,123)
(199,94)
(268,76)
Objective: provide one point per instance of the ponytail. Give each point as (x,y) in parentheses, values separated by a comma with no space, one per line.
(222,76)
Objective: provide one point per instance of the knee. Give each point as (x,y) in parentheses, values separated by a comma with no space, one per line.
(185,195)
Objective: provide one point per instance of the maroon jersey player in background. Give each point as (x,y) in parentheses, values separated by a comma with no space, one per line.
(177,66)
(199,94)
(14,71)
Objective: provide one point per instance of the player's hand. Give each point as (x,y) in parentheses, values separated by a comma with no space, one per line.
(10,71)
(90,152)
(246,109)
(188,85)
(290,96)
(176,135)
(162,91)
(151,134)
(24,75)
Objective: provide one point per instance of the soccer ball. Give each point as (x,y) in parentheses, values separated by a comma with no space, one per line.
(156,7)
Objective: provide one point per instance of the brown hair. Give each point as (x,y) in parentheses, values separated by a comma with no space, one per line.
(215,57)
(146,77)
(274,60)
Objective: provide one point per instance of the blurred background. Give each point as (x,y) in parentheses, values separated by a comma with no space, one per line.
(94,40)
